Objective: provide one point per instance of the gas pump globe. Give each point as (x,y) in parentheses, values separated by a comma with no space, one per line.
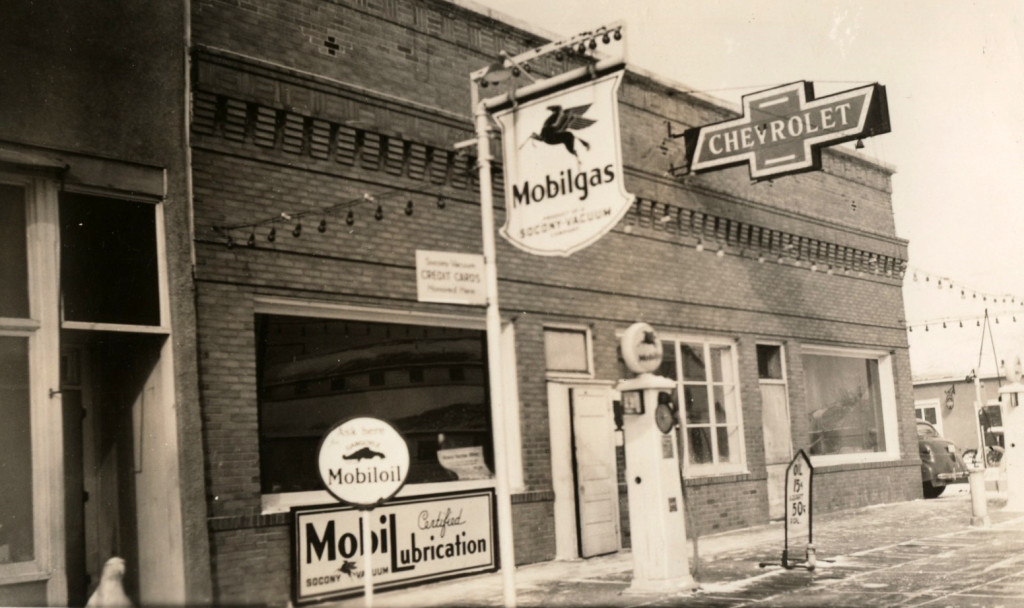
(1010,397)
(656,516)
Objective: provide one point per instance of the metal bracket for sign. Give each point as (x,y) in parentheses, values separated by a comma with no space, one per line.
(799,502)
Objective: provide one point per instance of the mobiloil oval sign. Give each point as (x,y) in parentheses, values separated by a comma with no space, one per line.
(411,540)
(564,186)
(363,461)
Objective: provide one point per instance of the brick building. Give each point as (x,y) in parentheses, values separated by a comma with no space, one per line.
(303,110)
(320,160)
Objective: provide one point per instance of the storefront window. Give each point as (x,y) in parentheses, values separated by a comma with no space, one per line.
(844,404)
(710,409)
(566,351)
(16,528)
(429,382)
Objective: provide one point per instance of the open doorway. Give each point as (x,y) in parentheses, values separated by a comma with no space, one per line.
(584,469)
(106,380)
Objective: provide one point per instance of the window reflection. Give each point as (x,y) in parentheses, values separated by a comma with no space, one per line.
(844,403)
(16,542)
(430,383)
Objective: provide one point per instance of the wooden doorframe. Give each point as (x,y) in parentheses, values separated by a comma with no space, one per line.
(563,473)
(774,470)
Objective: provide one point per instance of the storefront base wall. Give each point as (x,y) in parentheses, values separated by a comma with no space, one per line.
(252,565)
(843,488)
(25,594)
(718,507)
(533,527)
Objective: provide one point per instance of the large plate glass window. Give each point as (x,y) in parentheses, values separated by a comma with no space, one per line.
(429,382)
(851,404)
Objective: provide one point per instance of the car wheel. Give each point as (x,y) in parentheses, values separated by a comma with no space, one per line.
(932,491)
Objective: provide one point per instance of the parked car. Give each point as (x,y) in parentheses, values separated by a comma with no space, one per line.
(940,463)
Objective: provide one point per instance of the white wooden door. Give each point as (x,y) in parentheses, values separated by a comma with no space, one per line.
(597,496)
(778,444)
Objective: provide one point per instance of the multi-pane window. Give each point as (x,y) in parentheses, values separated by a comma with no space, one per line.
(429,382)
(712,432)
(850,403)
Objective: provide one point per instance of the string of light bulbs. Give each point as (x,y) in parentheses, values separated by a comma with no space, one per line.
(1011,302)
(943,282)
(285,218)
(961,322)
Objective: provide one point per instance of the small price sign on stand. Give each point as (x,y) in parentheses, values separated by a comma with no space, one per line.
(799,521)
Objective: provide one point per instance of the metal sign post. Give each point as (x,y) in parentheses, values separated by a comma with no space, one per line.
(364,462)
(482,123)
(799,517)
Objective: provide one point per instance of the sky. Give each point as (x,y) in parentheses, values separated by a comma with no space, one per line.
(954,76)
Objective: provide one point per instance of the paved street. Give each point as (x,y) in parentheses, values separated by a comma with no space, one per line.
(920,553)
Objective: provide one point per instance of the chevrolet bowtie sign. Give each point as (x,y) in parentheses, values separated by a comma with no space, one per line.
(782,130)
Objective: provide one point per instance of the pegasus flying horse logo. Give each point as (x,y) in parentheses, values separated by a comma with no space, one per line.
(559,126)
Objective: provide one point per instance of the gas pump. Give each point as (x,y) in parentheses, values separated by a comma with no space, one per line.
(656,517)
(1010,398)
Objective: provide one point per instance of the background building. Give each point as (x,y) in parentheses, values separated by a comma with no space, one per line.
(98,390)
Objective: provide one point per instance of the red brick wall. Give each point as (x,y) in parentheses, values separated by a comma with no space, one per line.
(294,129)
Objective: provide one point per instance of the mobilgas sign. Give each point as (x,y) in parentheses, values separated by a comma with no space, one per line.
(564,186)
(411,540)
(782,130)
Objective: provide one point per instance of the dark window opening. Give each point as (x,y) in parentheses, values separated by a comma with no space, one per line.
(13,253)
(769,362)
(108,261)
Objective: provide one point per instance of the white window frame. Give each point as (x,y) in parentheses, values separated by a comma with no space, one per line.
(284,501)
(41,329)
(887,389)
(589,345)
(715,469)
(925,404)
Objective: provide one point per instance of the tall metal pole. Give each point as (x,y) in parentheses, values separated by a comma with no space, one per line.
(494,366)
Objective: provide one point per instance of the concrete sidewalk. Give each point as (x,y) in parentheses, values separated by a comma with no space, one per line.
(911,553)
